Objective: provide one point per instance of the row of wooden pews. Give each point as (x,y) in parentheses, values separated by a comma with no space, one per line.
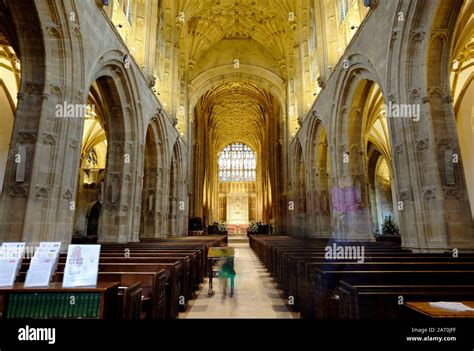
(378,287)
(157,278)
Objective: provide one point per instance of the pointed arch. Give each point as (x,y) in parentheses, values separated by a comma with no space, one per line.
(178,193)
(298,205)
(122,125)
(153,221)
(350,196)
(319,180)
(21,29)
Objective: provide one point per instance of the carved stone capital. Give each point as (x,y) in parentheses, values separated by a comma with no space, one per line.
(53,29)
(395,34)
(422,144)
(444,142)
(429,193)
(42,192)
(27,137)
(452,193)
(67,194)
(399,149)
(73,143)
(18,191)
(49,139)
(418,35)
(404,195)
(33,88)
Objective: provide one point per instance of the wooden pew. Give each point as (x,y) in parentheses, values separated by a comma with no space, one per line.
(153,296)
(291,261)
(183,261)
(185,280)
(197,257)
(325,283)
(194,266)
(129,304)
(300,280)
(363,301)
(172,288)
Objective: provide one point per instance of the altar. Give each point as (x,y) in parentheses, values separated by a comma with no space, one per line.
(237,208)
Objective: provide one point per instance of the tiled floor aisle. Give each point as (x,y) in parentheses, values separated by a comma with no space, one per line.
(256,295)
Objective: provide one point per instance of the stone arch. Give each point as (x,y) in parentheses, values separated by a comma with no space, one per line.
(462,91)
(429,183)
(258,125)
(377,149)
(153,222)
(21,28)
(319,179)
(178,201)
(122,127)
(92,160)
(93,217)
(226,74)
(298,212)
(380,188)
(9,84)
(352,84)
(350,195)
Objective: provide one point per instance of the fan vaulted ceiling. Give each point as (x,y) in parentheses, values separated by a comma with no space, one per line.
(237,112)
(265,21)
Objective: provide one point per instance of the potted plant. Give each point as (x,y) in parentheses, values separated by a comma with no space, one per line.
(222,227)
(252,228)
(258,228)
(390,231)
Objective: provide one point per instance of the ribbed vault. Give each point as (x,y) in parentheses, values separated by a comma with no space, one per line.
(265,21)
(237,112)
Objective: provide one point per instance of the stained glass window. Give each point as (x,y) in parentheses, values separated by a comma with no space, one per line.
(237,163)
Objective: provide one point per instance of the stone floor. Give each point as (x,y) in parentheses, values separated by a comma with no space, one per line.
(256,294)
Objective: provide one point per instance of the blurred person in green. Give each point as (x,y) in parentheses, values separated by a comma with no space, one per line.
(227,272)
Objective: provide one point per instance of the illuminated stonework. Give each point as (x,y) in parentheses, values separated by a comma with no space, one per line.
(302,83)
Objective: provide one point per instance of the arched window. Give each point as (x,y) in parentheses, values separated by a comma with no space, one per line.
(237,163)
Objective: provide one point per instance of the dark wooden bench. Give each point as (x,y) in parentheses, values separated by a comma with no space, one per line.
(195,266)
(186,277)
(299,284)
(324,284)
(129,303)
(293,261)
(363,301)
(153,297)
(172,288)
